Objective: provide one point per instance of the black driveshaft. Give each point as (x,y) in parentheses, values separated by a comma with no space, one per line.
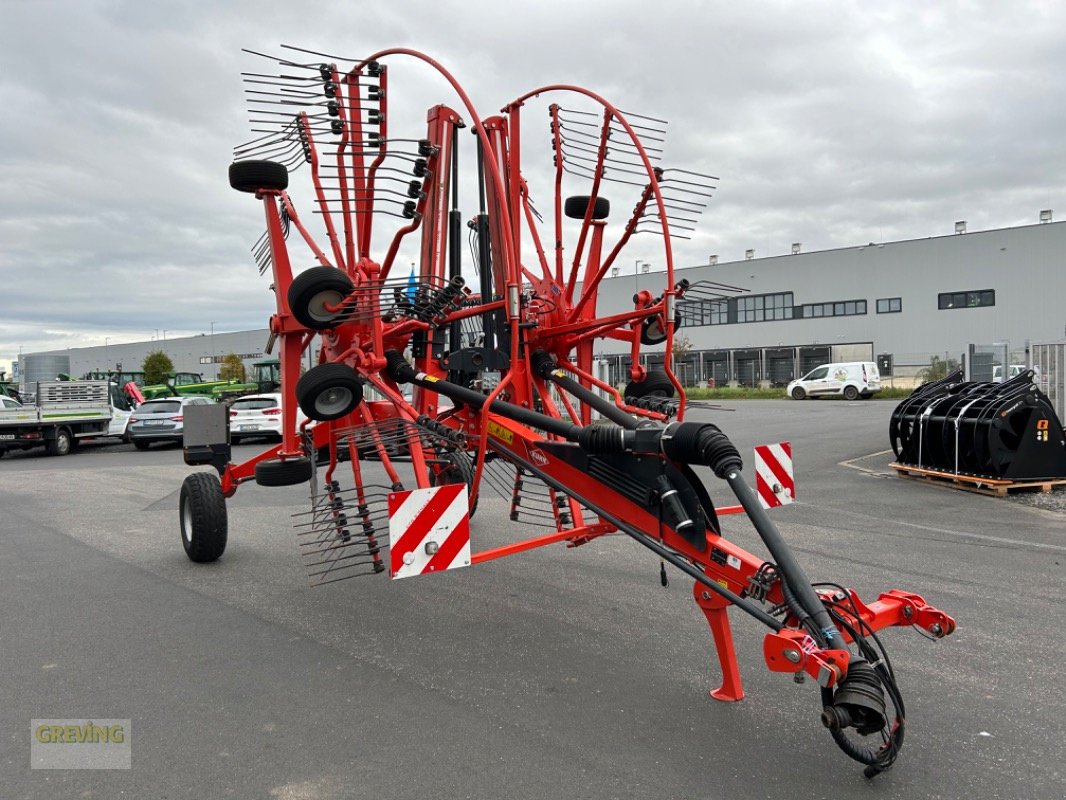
(546,368)
(402,372)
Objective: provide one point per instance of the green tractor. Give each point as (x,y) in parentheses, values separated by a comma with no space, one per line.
(9,388)
(266,379)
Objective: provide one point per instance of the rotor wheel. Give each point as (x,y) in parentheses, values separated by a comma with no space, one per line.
(313,290)
(254,176)
(329,391)
(289,472)
(454,467)
(655,384)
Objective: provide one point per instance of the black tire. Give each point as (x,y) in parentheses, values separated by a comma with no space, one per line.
(851,393)
(312,289)
(655,384)
(328,391)
(454,468)
(251,176)
(283,473)
(799,394)
(575,207)
(61,445)
(202,511)
(140,444)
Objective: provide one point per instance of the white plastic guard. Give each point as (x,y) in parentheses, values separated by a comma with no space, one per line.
(429,530)
(774,480)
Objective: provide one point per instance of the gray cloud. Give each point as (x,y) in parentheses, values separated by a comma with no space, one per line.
(827,123)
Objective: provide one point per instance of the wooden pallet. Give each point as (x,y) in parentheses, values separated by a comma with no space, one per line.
(975,483)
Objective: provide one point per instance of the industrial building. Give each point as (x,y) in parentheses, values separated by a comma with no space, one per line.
(947,297)
(995,291)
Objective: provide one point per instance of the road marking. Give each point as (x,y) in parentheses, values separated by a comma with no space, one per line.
(851,465)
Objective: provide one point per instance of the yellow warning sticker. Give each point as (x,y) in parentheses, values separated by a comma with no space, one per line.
(501,433)
(430,378)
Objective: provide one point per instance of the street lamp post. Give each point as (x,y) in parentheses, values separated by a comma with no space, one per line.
(636,274)
(214,365)
(107,358)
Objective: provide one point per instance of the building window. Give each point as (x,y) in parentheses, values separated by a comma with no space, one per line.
(703,312)
(764,307)
(889,305)
(977,299)
(843,308)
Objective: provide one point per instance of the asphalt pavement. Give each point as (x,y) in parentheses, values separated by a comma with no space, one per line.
(559,673)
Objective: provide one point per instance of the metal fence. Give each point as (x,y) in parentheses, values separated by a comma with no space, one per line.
(1048,360)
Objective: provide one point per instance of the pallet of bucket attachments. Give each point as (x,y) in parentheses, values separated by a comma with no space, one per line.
(1001,431)
(969,483)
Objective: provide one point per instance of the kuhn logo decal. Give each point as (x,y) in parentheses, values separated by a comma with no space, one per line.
(538,457)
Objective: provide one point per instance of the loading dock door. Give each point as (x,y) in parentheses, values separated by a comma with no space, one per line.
(811,357)
(780,366)
(748,373)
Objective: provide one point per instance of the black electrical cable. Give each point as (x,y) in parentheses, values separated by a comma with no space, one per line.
(876,760)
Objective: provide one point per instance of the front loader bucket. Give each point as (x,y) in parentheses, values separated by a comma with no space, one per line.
(1006,431)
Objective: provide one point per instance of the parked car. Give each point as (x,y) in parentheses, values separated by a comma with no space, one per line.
(9,402)
(1013,371)
(161,420)
(258,415)
(852,379)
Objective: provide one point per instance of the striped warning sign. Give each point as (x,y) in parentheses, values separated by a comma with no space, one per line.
(429,530)
(774,481)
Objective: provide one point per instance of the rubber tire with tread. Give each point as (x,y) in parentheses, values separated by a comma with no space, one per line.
(61,445)
(576,206)
(140,444)
(655,384)
(851,393)
(799,394)
(324,378)
(457,469)
(202,512)
(314,287)
(283,473)
(251,176)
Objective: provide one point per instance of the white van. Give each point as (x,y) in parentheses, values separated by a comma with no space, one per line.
(852,379)
(1013,371)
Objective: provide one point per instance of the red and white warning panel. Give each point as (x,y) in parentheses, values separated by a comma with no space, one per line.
(774,480)
(429,530)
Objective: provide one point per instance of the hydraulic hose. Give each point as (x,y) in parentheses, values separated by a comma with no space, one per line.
(545,366)
(400,371)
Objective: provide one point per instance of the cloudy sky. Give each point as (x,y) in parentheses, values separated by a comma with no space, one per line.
(830,124)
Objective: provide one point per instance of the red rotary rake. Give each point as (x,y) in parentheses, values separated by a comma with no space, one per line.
(503,387)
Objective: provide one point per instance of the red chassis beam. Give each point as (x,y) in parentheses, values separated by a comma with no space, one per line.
(723,564)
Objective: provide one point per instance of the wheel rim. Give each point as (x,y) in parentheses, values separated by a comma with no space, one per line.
(316,307)
(334,400)
(186,521)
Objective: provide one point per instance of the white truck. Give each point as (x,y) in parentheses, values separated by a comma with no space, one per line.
(63,413)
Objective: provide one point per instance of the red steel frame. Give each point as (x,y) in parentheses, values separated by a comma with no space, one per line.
(566,325)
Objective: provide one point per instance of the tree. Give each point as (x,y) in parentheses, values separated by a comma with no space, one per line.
(938,369)
(232,368)
(156,366)
(682,347)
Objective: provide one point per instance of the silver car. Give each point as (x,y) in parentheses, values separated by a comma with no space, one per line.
(161,420)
